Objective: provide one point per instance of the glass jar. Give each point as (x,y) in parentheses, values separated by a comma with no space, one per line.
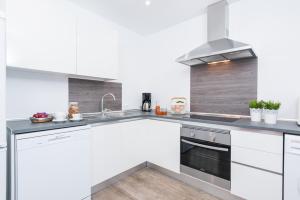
(73,109)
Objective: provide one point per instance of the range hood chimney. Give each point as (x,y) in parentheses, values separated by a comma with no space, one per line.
(218,48)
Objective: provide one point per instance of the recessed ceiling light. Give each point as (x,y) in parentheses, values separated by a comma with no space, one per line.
(147,2)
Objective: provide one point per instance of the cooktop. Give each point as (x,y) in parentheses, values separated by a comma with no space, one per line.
(213,118)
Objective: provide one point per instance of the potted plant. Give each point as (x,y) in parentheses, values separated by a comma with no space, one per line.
(271,111)
(256,110)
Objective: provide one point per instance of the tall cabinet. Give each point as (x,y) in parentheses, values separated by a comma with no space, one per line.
(2,105)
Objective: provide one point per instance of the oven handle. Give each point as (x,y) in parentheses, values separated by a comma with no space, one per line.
(205,146)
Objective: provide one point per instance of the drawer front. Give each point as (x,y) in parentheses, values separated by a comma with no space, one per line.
(266,141)
(292,144)
(254,184)
(260,159)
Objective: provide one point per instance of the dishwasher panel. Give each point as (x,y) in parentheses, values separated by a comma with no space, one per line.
(54,167)
(292,170)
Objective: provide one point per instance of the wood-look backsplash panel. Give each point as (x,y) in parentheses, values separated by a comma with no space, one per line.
(224,88)
(89,93)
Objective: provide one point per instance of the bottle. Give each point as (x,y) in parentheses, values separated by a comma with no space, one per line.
(157,109)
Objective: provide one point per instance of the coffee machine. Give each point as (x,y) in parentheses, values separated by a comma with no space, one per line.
(146,103)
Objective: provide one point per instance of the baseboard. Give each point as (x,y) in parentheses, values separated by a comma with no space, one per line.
(196,183)
(115,179)
(191,181)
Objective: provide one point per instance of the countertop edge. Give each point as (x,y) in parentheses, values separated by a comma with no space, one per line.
(281,126)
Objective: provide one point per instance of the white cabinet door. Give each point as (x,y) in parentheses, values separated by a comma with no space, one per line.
(261,149)
(56,166)
(2,174)
(97,48)
(291,168)
(254,184)
(2,83)
(41,35)
(134,143)
(106,152)
(117,148)
(163,143)
(292,177)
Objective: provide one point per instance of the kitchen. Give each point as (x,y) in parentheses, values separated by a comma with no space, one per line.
(59,52)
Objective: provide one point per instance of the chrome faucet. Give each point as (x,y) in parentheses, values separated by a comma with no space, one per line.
(102,100)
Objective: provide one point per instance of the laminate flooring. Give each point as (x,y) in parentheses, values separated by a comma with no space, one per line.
(149,184)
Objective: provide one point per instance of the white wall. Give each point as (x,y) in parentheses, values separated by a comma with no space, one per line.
(272,27)
(31,92)
(167,78)
(132,69)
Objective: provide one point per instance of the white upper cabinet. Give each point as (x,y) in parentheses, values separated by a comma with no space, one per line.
(97,47)
(41,35)
(57,36)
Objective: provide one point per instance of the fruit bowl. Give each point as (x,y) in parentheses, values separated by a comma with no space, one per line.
(41,118)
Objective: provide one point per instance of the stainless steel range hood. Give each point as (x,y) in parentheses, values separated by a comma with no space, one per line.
(218,48)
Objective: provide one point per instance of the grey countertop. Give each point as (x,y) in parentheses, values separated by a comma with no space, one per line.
(25,126)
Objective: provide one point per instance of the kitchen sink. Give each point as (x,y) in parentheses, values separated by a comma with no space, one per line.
(107,115)
(115,114)
(94,116)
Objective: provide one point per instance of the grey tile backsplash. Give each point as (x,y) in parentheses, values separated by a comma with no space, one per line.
(89,93)
(224,88)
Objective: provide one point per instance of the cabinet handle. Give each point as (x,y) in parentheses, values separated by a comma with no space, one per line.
(297,148)
(59,138)
(296,141)
(205,146)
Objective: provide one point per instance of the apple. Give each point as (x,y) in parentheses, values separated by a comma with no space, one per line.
(40,115)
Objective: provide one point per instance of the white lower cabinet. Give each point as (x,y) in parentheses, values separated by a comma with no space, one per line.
(106,152)
(256,169)
(133,144)
(121,146)
(164,144)
(255,184)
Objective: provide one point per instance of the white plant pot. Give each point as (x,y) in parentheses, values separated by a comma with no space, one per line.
(270,116)
(255,114)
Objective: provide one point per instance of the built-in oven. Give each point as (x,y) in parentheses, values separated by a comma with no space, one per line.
(205,154)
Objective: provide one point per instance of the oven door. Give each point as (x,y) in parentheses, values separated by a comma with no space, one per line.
(206,160)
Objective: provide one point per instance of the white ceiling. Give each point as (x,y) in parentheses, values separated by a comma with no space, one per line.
(142,19)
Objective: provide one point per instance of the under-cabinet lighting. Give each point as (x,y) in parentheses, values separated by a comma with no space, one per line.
(222,61)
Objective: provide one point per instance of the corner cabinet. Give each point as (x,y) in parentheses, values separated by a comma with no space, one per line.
(164,144)
(41,36)
(97,48)
(121,146)
(106,152)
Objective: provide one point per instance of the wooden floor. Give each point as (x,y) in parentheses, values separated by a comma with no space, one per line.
(148,184)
